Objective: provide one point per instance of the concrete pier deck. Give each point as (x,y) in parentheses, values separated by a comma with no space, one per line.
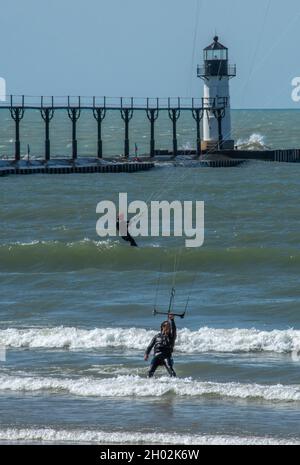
(61,166)
(218,159)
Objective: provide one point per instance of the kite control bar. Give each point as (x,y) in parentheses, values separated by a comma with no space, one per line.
(171,305)
(180,315)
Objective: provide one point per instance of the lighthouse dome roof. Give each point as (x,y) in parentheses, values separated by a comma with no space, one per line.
(216,45)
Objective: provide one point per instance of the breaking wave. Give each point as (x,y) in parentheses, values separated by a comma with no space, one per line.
(203,340)
(254,142)
(136,386)
(132,437)
(86,254)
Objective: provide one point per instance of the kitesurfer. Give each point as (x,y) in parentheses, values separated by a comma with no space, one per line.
(163,344)
(127,237)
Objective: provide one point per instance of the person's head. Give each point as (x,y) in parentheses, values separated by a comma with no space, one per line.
(165,327)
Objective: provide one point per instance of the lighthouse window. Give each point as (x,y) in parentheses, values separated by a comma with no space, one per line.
(215,55)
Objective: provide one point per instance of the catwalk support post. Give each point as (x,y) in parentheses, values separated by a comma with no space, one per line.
(152,115)
(198,115)
(74,115)
(126,115)
(99,115)
(47,114)
(219,112)
(174,114)
(17,114)
(220,115)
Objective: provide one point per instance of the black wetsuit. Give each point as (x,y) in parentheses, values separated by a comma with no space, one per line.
(128,237)
(163,349)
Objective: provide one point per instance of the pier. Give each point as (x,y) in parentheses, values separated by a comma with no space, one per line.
(215,156)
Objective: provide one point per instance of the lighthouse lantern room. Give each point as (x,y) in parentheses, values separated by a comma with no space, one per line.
(216,73)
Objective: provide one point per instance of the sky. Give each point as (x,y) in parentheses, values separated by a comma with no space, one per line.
(146,48)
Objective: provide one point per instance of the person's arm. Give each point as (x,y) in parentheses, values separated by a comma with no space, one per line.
(149,348)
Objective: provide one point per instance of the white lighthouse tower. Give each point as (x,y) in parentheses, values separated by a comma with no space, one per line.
(216,73)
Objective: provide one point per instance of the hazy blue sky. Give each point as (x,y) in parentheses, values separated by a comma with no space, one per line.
(149,47)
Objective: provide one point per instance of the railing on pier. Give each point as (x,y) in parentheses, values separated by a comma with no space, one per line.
(110,103)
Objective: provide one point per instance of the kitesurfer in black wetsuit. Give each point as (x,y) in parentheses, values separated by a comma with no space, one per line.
(128,237)
(163,344)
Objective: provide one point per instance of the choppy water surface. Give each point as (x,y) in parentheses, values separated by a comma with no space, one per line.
(76,311)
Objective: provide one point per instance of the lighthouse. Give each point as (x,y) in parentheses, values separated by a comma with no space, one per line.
(216,73)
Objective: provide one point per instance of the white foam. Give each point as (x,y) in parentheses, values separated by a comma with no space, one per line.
(73,338)
(115,370)
(86,240)
(255,142)
(131,437)
(204,340)
(135,386)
